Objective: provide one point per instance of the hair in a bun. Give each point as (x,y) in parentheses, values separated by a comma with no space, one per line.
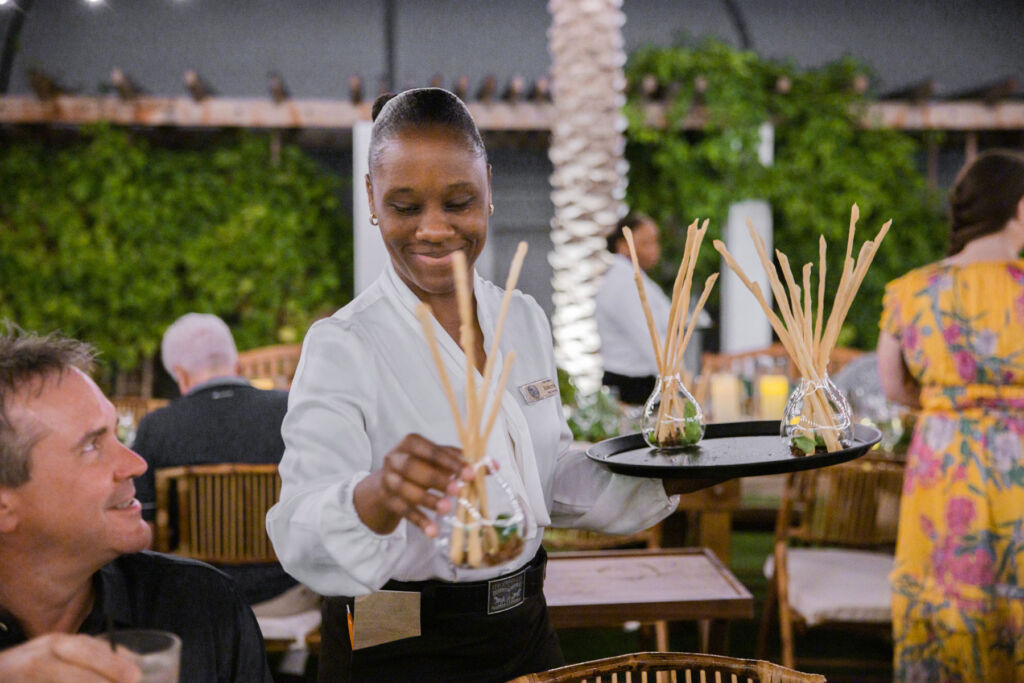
(420,108)
(379,103)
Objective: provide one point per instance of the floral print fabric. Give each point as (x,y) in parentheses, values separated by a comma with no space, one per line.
(958,582)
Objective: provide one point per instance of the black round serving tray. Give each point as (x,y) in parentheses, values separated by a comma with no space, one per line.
(728,449)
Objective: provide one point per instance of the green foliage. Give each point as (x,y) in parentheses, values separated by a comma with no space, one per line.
(825,160)
(111,239)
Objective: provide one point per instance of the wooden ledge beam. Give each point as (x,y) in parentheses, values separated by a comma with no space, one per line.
(903,115)
(522,115)
(218,112)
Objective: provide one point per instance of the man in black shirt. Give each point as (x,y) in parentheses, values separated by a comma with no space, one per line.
(71,532)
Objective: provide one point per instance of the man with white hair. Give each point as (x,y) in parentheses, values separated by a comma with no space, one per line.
(219,418)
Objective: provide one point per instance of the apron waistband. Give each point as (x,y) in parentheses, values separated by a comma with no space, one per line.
(502,593)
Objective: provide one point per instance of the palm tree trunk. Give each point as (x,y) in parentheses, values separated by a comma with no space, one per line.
(589,179)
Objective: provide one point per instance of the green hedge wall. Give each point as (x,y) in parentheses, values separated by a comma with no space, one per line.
(111,238)
(824,162)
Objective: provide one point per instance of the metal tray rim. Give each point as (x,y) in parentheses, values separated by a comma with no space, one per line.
(864,436)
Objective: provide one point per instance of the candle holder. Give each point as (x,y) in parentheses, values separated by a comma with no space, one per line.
(487,527)
(672,418)
(817,418)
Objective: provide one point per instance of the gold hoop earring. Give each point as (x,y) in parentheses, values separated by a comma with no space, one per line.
(491,207)
(374,220)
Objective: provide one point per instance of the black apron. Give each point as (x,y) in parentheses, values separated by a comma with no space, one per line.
(469,633)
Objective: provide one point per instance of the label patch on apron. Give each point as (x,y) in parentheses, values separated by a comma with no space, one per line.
(538,391)
(504,594)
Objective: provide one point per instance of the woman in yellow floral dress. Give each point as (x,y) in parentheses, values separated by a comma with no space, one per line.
(952,344)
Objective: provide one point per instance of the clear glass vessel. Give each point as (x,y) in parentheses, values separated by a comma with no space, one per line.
(672,417)
(817,418)
(485,529)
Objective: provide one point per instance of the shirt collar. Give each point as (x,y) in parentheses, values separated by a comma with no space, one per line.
(110,601)
(218,382)
(396,287)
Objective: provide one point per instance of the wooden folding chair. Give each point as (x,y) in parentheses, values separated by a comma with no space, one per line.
(834,538)
(270,367)
(137,406)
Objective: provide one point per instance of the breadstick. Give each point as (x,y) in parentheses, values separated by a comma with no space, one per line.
(426,318)
(651,327)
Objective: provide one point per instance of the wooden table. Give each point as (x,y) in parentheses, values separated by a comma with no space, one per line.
(611,587)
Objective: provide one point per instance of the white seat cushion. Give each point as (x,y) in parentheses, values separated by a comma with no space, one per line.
(292,615)
(833,584)
(292,627)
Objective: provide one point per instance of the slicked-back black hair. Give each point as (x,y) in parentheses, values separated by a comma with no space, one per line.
(421,108)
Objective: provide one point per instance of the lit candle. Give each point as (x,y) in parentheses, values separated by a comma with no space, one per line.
(725,397)
(772,392)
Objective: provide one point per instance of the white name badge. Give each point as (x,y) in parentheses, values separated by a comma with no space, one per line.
(538,391)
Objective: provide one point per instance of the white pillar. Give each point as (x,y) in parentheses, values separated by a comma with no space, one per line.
(369,253)
(744,325)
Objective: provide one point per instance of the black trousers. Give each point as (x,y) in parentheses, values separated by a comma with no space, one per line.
(453,647)
(635,390)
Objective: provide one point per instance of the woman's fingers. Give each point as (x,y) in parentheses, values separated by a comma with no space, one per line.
(415,472)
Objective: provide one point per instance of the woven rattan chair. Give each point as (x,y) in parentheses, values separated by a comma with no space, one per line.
(671,667)
(137,406)
(221,511)
(270,367)
(834,537)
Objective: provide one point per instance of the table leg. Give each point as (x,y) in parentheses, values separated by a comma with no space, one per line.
(713,531)
(714,636)
(661,636)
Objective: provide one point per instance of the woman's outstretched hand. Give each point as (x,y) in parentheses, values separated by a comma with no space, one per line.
(417,475)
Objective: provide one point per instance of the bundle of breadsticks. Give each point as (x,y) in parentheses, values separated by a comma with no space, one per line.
(808,342)
(678,420)
(476,540)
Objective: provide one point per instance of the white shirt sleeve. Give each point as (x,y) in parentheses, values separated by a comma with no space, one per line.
(317,534)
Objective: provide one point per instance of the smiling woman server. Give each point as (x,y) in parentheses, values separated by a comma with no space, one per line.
(370,440)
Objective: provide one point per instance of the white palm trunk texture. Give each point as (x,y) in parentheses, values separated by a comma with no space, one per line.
(589,178)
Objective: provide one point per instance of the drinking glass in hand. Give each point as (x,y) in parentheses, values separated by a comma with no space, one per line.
(156,653)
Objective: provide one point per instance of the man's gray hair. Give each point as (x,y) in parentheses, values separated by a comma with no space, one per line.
(198,342)
(24,359)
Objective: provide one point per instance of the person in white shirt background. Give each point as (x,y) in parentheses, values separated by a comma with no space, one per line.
(626,353)
(370,439)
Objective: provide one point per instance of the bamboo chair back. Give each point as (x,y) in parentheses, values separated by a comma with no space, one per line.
(270,367)
(137,406)
(854,504)
(671,667)
(557,540)
(222,509)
